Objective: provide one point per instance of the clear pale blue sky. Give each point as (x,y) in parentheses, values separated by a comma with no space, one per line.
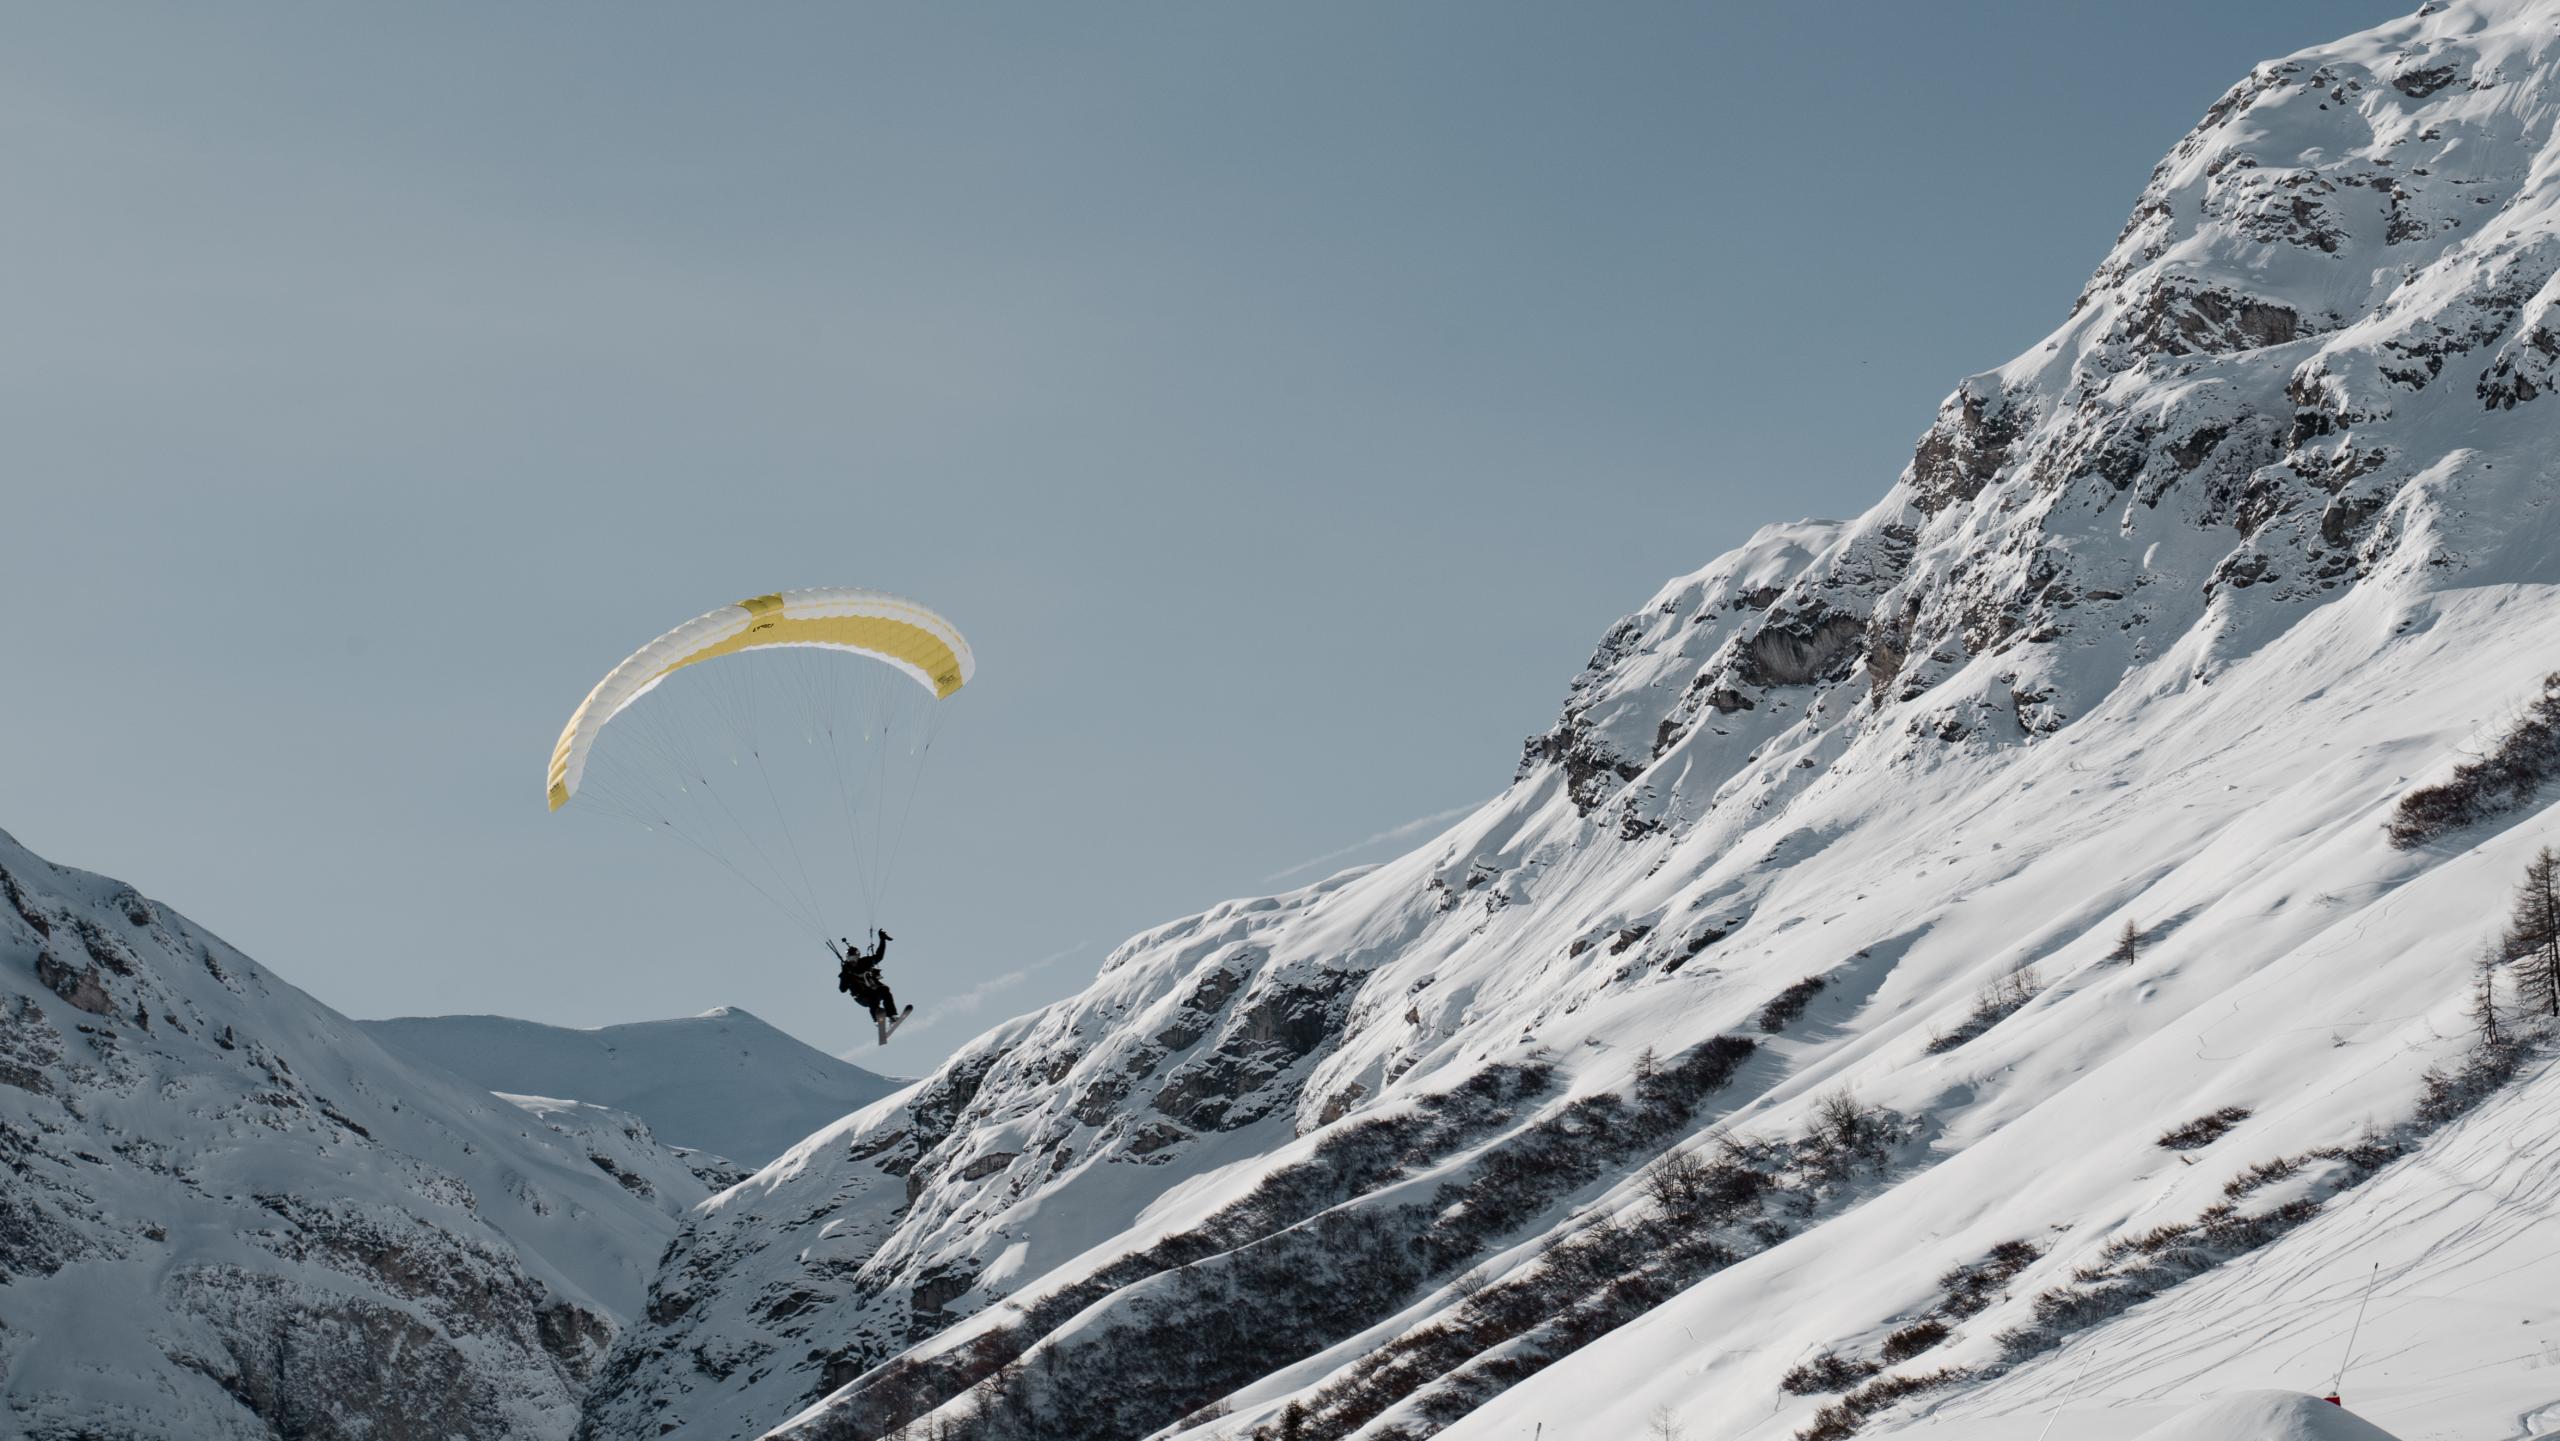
(1284,398)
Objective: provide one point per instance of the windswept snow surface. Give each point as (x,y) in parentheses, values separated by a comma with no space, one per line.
(2241,1416)
(2159,623)
(675,1179)
(2461,1341)
(227,1212)
(2266,1416)
(723,1081)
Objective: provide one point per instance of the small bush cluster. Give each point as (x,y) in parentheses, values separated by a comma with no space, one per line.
(1311,1257)
(2204,1130)
(1998,1001)
(1579,1290)
(1524,1175)
(2135,1267)
(1913,1339)
(1699,939)
(1967,1290)
(2447,1094)
(1711,1205)
(2138,1265)
(1829,1371)
(1217,1410)
(2141,1265)
(2261,1174)
(1842,1418)
(2518,764)
(1583,1286)
(1692,1189)
(1845,1137)
(1349,1161)
(1963,1291)
(1788,1005)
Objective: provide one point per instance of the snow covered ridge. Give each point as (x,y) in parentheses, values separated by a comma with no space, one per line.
(673,1178)
(225,1208)
(722,1082)
(2158,627)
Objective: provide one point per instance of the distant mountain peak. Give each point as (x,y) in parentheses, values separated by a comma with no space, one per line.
(722,1081)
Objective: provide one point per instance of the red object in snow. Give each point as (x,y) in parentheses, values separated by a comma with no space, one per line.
(2334,1401)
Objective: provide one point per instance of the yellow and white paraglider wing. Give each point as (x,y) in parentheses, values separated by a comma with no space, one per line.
(927,648)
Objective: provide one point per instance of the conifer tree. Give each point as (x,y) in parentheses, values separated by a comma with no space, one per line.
(2128,943)
(2484,1003)
(2533,936)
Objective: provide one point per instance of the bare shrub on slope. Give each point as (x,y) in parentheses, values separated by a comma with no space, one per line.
(1710,1210)
(2204,1130)
(2000,999)
(1297,1266)
(1787,1005)
(2522,760)
(2137,1266)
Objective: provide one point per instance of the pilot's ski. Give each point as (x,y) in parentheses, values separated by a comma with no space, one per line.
(890,1025)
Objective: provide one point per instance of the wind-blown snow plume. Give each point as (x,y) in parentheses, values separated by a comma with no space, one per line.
(976,998)
(1404,832)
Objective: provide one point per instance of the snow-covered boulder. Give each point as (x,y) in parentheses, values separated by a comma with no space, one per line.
(2266,1416)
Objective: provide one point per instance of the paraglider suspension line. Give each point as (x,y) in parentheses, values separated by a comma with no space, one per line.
(2337,1384)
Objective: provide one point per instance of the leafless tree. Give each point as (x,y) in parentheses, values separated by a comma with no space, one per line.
(2533,936)
(2484,1002)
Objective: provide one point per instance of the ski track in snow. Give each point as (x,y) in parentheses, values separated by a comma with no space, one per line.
(2475,1208)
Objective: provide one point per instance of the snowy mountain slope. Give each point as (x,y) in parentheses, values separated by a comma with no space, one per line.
(2310,975)
(2266,1416)
(2255,1415)
(675,1179)
(2458,1344)
(2156,627)
(723,1082)
(2248,1416)
(225,1206)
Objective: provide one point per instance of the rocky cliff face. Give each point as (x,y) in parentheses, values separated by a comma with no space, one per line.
(227,1213)
(2153,628)
(2293,372)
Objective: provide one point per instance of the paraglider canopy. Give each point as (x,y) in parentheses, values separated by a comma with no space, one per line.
(793,760)
(896,632)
